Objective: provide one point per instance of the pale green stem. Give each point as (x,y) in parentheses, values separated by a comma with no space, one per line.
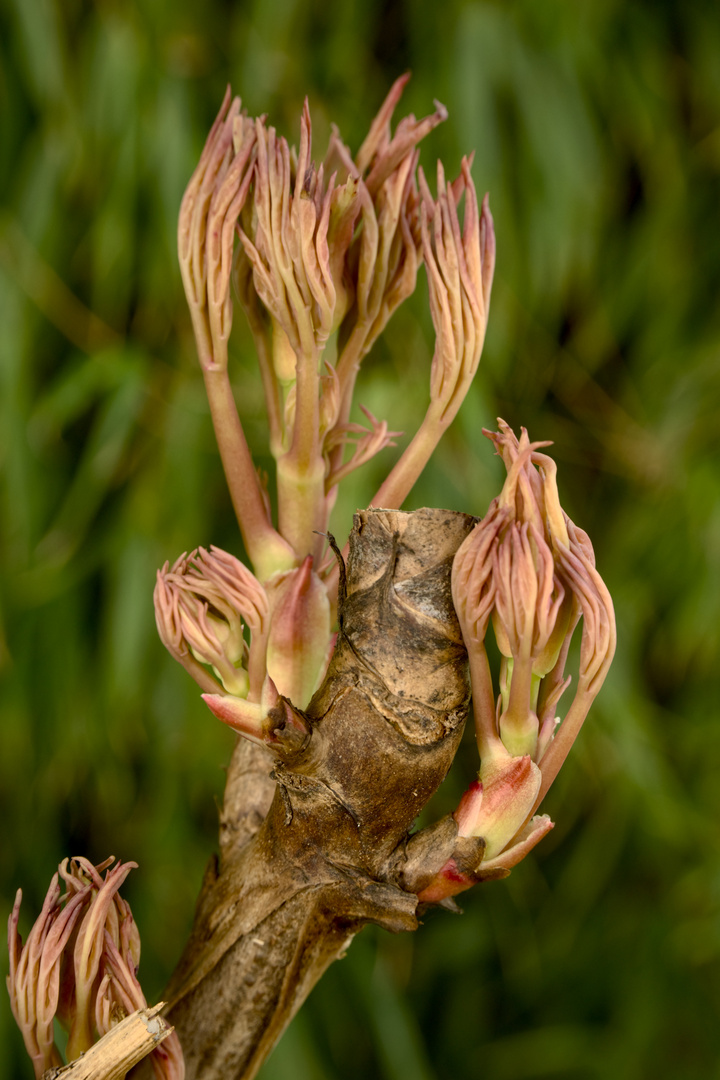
(257,663)
(483,700)
(399,483)
(305,447)
(559,748)
(301,471)
(520,695)
(271,386)
(80,1039)
(556,676)
(301,496)
(347,369)
(265,547)
(393,492)
(201,330)
(202,677)
(348,362)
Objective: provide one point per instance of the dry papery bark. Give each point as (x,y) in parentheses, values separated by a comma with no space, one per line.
(317,843)
(131,1040)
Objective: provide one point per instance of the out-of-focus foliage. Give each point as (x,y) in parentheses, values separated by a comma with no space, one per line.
(597,129)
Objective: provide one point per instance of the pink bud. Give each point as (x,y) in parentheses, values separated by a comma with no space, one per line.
(244,717)
(452,879)
(530,835)
(274,723)
(496,806)
(529,569)
(299,634)
(202,605)
(79,964)
(460,268)
(88,953)
(210,208)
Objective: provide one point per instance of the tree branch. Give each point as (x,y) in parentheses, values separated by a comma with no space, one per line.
(287,897)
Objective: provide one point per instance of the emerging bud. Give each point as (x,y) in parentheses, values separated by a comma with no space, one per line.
(34,979)
(325,252)
(79,964)
(495,809)
(206,228)
(105,911)
(299,639)
(527,568)
(527,565)
(247,718)
(211,206)
(274,723)
(460,268)
(497,805)
(289,253)
(382,151)
(529,632)
(202,605)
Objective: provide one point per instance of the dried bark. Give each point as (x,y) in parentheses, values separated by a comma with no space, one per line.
(124,1045)
(319,848)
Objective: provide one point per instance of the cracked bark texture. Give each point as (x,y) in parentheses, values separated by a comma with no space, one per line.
(314,840)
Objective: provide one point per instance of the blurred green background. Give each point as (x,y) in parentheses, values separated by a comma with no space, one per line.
(597,130)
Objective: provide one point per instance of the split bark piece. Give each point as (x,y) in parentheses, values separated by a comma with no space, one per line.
(117,1052)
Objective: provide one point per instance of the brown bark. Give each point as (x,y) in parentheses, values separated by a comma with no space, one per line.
(321,847)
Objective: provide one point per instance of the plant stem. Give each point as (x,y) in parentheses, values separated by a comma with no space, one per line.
(291,890)
(263,544)
(301,471)
(393,492)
